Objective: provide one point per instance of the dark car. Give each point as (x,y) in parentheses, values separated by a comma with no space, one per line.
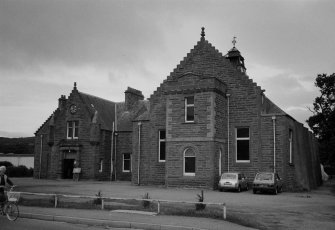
(233,181)
(267,182)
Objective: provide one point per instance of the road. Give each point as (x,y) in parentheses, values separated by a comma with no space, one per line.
(305,210)
(34,224)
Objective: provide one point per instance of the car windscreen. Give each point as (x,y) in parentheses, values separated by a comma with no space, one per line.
(264,176)
(228,176)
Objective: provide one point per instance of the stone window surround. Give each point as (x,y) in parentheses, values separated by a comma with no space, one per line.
(189,105)
(241,138)
(74,127)
(123,162)
(184,161)
(159,145)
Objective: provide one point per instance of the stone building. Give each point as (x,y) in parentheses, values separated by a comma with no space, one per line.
(207,117)
(84,129)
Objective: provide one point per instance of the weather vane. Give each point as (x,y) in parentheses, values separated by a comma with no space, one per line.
(234,41)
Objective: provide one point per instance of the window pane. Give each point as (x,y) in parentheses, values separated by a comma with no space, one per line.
(242,132)
(242,150)
(126,162)
(126,165)
(189,152)
(190,113)
(162,151)
(69,130)
(189,164)
(189,100)
(162,134)
(76,132)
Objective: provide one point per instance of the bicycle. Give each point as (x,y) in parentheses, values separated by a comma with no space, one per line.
(9,207)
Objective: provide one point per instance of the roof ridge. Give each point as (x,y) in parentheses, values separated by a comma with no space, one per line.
(100,98)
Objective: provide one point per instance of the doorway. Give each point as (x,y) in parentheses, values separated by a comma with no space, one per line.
(68,168)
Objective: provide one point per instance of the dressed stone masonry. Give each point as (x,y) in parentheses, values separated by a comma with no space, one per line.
(207,117)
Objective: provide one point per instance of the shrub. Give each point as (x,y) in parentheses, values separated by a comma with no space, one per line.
(146,203)
(98,200)
(19,171)
(6,163)
(201,198)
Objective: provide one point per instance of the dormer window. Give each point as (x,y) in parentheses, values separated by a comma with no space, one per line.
(72,129)
(189,109)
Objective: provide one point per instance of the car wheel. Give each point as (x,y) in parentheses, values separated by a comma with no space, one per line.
(221,189)
(254,191)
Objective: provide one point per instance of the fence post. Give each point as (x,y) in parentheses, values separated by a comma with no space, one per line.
(224,211)
(56,201)
(102,204)
(158,207)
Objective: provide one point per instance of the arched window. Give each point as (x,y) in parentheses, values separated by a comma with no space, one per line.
(189,162)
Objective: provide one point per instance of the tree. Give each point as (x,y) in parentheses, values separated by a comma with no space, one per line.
(323,120)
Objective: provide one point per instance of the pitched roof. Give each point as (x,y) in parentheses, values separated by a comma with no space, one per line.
(105,109)
(125,117)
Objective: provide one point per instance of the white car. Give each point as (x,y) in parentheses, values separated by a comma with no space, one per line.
(233,181)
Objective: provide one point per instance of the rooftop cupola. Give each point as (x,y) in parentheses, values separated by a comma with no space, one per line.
(236,58)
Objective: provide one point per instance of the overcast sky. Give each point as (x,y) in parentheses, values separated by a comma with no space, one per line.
(106,46)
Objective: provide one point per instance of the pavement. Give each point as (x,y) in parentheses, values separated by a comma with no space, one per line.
(129,219)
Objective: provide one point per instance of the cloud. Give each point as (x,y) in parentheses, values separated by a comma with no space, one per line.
(74,33)
(290,91)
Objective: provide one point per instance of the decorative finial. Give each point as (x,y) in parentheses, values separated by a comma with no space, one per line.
(234,41)
(203,32)
(75,85)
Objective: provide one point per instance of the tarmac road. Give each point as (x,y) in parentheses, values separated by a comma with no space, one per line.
(33,224)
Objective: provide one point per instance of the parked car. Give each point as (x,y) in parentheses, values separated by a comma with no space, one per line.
(267,182)
(233,181)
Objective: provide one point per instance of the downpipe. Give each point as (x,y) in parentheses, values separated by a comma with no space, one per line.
(139,153)
(274,143)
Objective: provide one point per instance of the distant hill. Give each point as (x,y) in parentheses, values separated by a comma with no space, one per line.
(23,145)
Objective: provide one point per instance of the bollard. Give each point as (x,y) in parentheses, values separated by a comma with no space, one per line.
(102,204)
(56,201)
(158,207)
(224,211)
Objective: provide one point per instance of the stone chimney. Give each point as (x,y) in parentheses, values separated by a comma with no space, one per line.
(132,96)
(62,102)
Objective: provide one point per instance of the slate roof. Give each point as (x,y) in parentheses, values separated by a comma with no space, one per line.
(105,108)
(125,118)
